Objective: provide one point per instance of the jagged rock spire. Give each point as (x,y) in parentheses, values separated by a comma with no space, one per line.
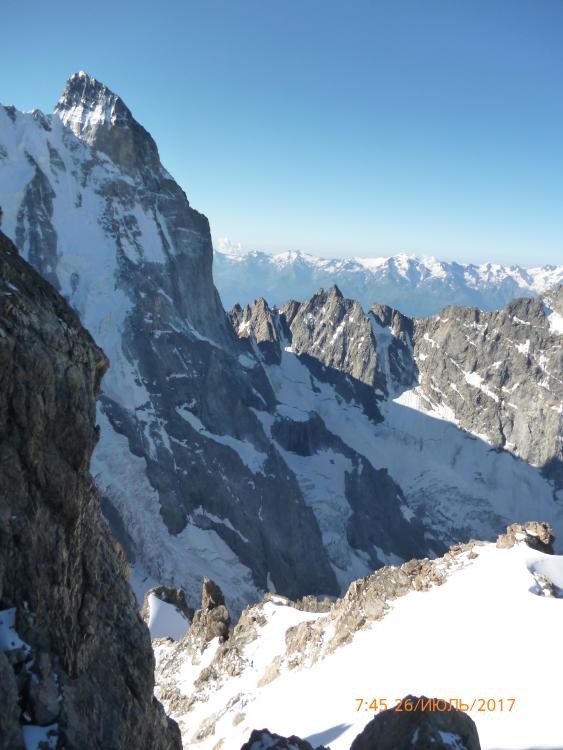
(101,118)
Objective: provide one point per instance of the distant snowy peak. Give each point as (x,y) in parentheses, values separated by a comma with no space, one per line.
(416,286)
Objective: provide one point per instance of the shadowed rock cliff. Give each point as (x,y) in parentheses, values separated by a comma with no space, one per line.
(76,665)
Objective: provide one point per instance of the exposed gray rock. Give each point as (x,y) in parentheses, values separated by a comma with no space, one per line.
(369,599)
(35,229)
(415,726)
(212,620)
(263,739)
(449,366)
(44,695)
(59,574)
(536,535)
(500,373)
(114,131)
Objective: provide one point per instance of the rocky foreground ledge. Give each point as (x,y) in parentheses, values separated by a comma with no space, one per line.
(76,665)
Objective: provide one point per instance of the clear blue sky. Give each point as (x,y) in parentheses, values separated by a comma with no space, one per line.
(341,128)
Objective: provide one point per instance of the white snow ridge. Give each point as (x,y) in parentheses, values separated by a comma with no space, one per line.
(478,636)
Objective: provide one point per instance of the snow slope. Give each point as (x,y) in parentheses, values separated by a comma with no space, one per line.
(486,633)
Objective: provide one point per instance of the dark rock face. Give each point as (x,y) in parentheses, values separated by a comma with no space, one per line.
(10,710)
(500,373)
(443,728)
(401,729)
(61,581)
(262,739)
(34,223)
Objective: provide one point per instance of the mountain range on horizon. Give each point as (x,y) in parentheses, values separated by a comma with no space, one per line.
(415,285)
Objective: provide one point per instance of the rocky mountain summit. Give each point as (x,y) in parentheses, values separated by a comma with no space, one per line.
(307,669)
(192,482)
(67,615)
(272,450)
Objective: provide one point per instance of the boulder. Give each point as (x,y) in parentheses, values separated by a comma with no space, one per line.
(262,739)
(417,729)
(536,535)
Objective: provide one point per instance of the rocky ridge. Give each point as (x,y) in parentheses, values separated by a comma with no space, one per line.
(465,401)
(497,374)
(278,637)
(67,614)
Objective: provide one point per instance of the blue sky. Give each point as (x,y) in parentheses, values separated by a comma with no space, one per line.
(340,128)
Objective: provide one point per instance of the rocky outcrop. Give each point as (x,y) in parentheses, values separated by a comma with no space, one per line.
(212,620)
(499,373)
(262,739)
(68,617)
(368,599)
(206,636)
(415,724)
(536,535)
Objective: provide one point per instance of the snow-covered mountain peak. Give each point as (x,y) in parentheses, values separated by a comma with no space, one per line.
(100,117)
(87,103)
(415,285)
